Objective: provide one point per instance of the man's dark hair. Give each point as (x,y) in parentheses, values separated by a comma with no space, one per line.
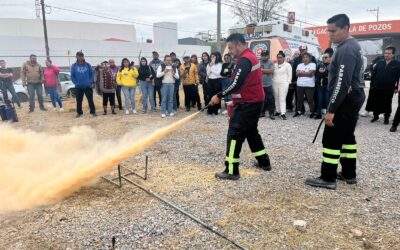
(265,53)
(236,38)
(341,21)
(32,55)
(393,49)
(166,56)
(79,53)
(329,51)
(172,54)
(307,54)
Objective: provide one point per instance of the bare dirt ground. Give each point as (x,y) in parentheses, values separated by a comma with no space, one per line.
(257,211)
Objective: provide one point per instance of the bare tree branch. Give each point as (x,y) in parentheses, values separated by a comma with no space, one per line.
(255,11)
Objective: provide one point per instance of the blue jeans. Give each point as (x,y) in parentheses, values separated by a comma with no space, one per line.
(147,89)
(176,94)
(54,97)
(38,88)
(323,98)
(225,83)
(167,98)
(129,93)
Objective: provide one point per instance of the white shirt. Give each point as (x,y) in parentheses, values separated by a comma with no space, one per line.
(169,77)
(304,81)
(282,74)
(214,72)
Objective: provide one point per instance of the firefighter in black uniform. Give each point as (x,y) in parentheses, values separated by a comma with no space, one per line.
(346,89)
(248,95)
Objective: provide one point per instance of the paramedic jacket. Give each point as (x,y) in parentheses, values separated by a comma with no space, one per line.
(346,72)
(246,85)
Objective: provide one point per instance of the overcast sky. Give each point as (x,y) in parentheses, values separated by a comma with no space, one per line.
(195,15)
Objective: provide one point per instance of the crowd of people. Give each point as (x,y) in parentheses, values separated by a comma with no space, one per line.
(287,83)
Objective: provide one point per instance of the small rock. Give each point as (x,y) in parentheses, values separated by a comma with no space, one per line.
(368,244)
(357,233)
(300,225)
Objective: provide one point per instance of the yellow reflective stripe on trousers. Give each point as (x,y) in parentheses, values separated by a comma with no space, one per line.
(232,160)
(349,146)
(331,151)
(348,155)
(231,154)
(259,153)
(331,161)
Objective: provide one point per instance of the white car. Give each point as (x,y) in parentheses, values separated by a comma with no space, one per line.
(67,87)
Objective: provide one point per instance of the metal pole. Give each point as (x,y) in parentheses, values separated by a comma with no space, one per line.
(219,25)
(377,14)
(46,42)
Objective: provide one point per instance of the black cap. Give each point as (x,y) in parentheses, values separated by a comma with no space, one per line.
(154,52)
(172,54)
(79,53)
(186,57)
(265,53)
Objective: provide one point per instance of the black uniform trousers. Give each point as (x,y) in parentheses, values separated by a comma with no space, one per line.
(396,120)
(339,142)
(243,125)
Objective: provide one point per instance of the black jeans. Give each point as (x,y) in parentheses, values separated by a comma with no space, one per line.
(269,101)
(88,92)
(108,97)
(243,125)
(339,141)
(191,95)
(214,86)
(157,90)
(309,92)
(118,94)
(289,97)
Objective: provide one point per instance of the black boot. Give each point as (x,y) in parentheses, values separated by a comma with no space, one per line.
(393,129)
(225,176)
(375,118)
(319,182)
(350,181)
(264,164)
(386,122)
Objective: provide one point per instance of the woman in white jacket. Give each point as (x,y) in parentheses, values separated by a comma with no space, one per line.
(280,84)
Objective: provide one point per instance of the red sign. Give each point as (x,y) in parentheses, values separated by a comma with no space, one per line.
(291,17)
(371,28)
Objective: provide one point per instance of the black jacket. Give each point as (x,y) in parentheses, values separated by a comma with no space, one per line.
(385,76)
(322,78)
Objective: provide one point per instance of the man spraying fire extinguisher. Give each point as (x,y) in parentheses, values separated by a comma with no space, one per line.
(248,95)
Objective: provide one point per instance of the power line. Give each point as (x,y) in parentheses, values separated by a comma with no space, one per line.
(277,15)
(116,18)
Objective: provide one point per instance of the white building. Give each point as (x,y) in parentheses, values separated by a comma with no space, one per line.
(98,41)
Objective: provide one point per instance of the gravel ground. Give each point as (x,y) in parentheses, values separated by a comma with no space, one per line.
(257,211)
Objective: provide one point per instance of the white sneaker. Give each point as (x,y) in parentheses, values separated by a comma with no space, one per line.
(126,112)
(134,111)
(163,115)
(224,112)
(61,110)
(172,114)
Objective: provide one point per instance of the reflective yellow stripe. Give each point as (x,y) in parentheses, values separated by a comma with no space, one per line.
(259,153)
(349,146)
(231,153)
(232,160)
(331,151)
(331,161)
(349,156)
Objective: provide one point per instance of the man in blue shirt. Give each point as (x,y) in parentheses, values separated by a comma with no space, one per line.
(82,77)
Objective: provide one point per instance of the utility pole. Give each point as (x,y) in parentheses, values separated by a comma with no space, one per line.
(46,42)
(375,12)
(219,25)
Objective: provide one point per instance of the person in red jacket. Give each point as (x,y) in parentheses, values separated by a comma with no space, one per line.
(247,93)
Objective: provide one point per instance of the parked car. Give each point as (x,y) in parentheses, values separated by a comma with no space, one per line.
(67,87)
